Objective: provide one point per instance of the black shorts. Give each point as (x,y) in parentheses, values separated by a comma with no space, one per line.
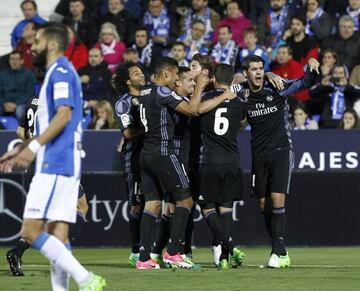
(218,183)
(271,173)
(163,174)
(133,185)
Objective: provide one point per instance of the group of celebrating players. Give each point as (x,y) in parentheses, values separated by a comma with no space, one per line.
(180,147)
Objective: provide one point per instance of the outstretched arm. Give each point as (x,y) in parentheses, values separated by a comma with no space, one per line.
(304,82)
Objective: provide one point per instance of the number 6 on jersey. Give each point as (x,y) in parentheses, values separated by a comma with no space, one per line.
(221,123)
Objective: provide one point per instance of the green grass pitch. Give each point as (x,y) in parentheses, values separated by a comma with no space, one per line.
(312,269)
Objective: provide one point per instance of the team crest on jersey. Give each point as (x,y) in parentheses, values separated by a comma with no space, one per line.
(135,101)
(269,98)
(62,70)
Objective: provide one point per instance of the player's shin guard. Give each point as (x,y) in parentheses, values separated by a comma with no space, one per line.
(217,226)
(59,279)
(147,237)
(57,253)
(75,228)
(189,232)
(134,228)
(278,231)
(162,235)
(267,220)
(228,222)
(20,247)
(177,235)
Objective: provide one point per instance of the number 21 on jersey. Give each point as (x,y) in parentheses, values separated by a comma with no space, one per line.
(221,123)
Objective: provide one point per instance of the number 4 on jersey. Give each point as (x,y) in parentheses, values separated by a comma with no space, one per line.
(221,123)
(143,118)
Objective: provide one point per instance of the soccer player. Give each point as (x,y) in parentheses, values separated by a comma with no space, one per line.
(271,146)
(219,165)
(161,171)
(129,81)
(53,192)
(184,88)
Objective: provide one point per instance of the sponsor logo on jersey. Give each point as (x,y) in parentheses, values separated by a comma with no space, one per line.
(145,92)
(260,112)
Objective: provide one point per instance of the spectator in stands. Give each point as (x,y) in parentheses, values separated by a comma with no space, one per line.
(353,10)
(286,67)
(125,23)
(147,50)
(111,46)
(349,120)
(84,27)
(104,117)
(319,23)
(226,49)
(62,10)
(178,52)
(335,7)
(17,86)
(252,48)
(29,10)
(162,28)
(355,76)
(342,96)
(273,24)
(24,44)
(346,42)
(200,11)
(131,55)
(328,61)
(194,40)
(302,120)
(95,79)
(76,51)
(302,45)
(237,21)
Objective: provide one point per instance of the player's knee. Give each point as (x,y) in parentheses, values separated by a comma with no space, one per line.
(207,211)
(188,203)
(262,205)
(278,200)
(226,207)
(153,207)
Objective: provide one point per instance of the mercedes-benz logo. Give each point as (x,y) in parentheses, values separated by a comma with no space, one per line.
(6,211)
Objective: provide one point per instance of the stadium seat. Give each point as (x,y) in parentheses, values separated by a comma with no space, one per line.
(9,122)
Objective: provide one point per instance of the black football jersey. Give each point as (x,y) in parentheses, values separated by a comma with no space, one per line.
(219,130)
(267,112)
(127,111)
(28,122)
(156,104)
(182,135)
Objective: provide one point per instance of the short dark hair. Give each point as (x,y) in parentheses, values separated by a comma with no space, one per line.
(82,1)
(251,30)
(28,1)
(224,74)
(183,70)
(16,52)
(181,44)
(122,76)
(251,59)
(300,18)
(165,63)
(205,62)
(197,20)
(232,2)
(287,47)
(57,32)
(226,26)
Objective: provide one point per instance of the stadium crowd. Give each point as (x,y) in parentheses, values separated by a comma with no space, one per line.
(286,34)
(171,70)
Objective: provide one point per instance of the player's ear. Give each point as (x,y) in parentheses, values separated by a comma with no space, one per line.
(245,74)
(52,45)
(205,72)
(128,82)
